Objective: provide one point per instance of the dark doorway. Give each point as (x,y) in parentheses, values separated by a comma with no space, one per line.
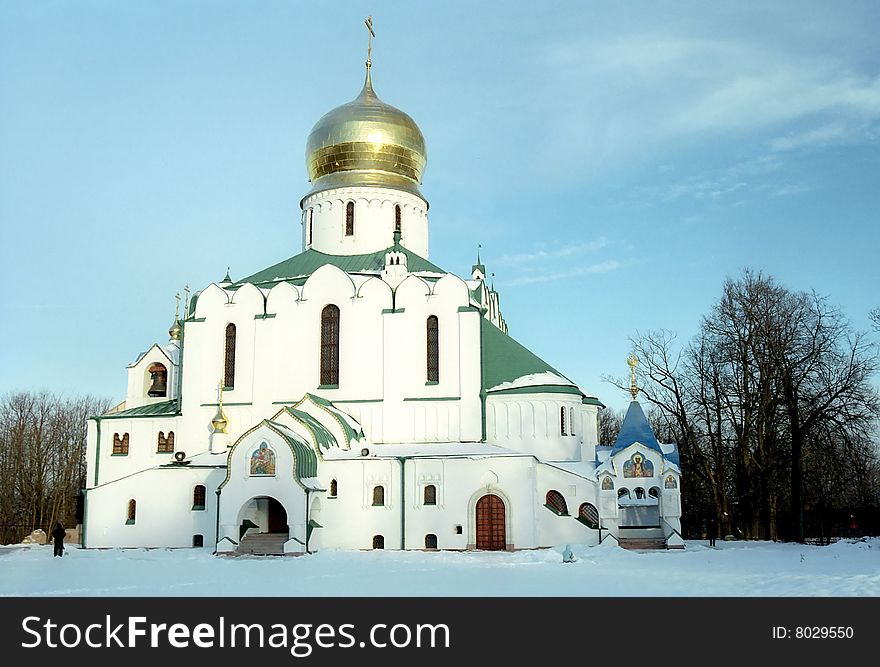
(277,517)
(491,534)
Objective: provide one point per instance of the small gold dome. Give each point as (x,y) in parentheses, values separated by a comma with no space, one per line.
(174,330)
(366,142)
(220,422)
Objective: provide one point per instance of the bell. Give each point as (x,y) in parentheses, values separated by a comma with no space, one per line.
(158,381)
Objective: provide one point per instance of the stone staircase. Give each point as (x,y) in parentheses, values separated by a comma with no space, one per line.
(643,543)
(638,539)
(262,544)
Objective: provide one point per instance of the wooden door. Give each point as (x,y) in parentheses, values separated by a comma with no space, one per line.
(491,534)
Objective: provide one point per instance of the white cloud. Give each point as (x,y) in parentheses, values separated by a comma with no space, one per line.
(544,254)
(601,267)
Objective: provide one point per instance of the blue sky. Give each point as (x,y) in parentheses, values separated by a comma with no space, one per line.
(616,160)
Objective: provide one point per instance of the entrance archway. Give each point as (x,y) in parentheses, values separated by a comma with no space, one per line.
(277,517)
(491,534)
(263,514)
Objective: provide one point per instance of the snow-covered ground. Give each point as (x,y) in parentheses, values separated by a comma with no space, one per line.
(732,569)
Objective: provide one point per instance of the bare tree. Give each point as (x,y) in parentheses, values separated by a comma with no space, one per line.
(42,459)
(773,408)
(609,425)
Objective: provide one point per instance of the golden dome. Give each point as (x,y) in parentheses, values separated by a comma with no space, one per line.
(366,142)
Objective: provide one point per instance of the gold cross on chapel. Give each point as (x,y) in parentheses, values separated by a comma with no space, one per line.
(632,362)
(369,23)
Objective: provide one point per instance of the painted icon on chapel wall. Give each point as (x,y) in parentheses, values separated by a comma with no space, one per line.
(670,482)
(263,461)
(638,466)
(607,484)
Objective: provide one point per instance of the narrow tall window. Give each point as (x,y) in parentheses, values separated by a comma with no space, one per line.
(334,488)
(571,419)
(199,497)
(433,349)
(311,218)
(397,218)
(349,219)
(229,357)
(132,512)
(330,345)
(120,444)
(562,421)
(165,445)
(430,495)
(378,496)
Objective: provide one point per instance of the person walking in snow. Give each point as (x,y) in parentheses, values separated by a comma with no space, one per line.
(58,535)
(713,530)
(853,526)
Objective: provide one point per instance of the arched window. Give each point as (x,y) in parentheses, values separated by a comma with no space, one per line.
(199,497)
(330,345)
(378,496)
(588,515)
(158,381)
(334,488)
(571,419)
(120,444)
(311,218)
(132,512)
(654,492)
(433,349)
(229,357)
(623,493)
(349,219)
(562,421)
(378,542)
(556,502)
(640,493)
(430,541)
(165,445)
(397,218)
(430,495)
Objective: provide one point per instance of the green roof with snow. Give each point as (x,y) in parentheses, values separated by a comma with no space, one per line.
(306,263)
(505,360)
(163,409)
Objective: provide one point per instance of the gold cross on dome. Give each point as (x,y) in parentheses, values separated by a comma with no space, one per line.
(632,362)
(369,23)
(177,307)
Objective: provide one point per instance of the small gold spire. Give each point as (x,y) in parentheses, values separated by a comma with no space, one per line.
(632,362)
(220,421)
(185,301)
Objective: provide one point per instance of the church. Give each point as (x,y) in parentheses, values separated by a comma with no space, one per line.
(358,396)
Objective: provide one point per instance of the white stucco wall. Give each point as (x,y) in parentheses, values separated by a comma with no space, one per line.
(373,221)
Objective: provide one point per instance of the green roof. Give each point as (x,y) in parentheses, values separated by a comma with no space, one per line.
(303,454)
(337,414)
(306,263)
(505,360)
(163,409)
(323,438)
